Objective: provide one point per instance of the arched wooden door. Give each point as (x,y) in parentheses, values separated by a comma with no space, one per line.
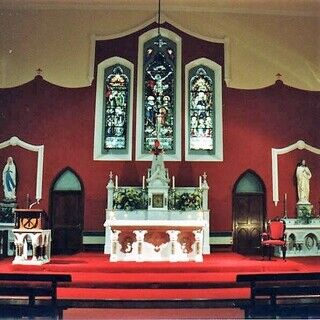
(248,213)
(67,213)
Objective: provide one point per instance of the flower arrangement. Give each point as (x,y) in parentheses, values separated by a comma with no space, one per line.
(185,201)
(129,199)
(305,215)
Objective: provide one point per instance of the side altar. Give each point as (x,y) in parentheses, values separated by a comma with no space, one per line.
(157,222)
(303,239)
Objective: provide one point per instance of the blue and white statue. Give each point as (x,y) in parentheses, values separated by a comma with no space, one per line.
(9,180)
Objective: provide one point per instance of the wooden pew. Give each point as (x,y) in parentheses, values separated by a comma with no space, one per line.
(30,295)
(282,294)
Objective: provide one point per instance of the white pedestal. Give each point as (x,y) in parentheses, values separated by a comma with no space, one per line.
(41,246)
(303,240)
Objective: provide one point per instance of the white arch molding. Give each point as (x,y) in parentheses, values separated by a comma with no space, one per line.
(15,141)
(300,144)
(219,39)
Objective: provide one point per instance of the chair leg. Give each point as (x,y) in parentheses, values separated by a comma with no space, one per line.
(284,250)
(270,248)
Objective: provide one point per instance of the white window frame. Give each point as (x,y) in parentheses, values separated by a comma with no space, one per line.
(98,125)
(216,68)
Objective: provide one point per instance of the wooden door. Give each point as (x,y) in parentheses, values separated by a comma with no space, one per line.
(248,213)
(67,221)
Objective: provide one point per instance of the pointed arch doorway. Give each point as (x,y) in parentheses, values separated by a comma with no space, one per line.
(249,211)
(66,212)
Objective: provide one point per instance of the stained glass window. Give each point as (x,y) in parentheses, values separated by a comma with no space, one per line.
(203,133)
(159,74)
(202,109)
(116,98)
(113,113)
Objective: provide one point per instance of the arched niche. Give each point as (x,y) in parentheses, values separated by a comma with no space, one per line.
(15,141)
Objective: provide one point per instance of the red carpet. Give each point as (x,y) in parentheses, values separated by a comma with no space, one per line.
(92,273)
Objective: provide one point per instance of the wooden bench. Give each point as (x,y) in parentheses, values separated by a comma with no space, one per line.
(280,294)
(30,295)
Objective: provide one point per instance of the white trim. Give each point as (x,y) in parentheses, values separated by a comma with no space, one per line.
(15,141)
(218,156)
(98,128)
(225,40)
(142,39)
(95,37)
(218,240)
(300,144)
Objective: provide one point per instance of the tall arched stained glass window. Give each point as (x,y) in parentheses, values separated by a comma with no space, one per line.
(116,98)
(204,111)
(113,110)
(158,94)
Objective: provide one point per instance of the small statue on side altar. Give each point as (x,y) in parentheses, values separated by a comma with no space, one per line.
(9,180)
(303,175)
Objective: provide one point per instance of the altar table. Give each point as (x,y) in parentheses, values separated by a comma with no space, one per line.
(156,240)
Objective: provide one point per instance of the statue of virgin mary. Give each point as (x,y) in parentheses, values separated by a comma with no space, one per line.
(9,180)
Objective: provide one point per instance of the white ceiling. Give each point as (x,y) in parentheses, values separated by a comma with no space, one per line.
(276,7)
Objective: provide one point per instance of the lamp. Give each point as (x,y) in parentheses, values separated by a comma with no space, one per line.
(159,41)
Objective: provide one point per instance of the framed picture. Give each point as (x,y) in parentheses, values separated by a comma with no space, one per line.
(157,200)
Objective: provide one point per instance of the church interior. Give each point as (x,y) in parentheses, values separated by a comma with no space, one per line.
(159,158)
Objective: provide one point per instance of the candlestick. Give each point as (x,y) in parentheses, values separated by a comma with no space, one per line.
(285,205)
(143,182)
(200,182)
(116,181)
(173,182)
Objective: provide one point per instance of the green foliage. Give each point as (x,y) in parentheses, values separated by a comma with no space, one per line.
(305,215)
(129,199)
(185,201)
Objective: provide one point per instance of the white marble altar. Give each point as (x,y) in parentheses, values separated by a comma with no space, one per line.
(302,239)
(164,227)
(156,240)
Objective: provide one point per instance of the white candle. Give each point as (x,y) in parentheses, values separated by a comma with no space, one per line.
(285,197)
(116,181)
(200,182)
(143,182)
(173,182)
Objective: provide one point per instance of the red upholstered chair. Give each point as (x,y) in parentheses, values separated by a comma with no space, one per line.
(275,236)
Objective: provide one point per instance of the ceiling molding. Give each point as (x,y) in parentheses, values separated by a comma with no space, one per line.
(306,8)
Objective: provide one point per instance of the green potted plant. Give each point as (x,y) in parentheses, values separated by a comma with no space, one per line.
(305,215)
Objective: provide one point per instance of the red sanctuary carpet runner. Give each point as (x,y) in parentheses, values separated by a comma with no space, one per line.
(94,277)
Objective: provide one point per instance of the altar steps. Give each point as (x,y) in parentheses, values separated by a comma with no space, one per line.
(95,277)
(220,263)
(152,294)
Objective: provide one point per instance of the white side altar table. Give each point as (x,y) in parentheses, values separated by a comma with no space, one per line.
(156,240)
(303,240)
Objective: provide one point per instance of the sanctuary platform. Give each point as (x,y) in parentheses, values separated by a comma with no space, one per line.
(99,283)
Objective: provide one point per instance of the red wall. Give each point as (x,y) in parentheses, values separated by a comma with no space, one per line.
(254,121)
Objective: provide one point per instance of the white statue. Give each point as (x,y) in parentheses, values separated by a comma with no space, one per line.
(9,180)
(303,175)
